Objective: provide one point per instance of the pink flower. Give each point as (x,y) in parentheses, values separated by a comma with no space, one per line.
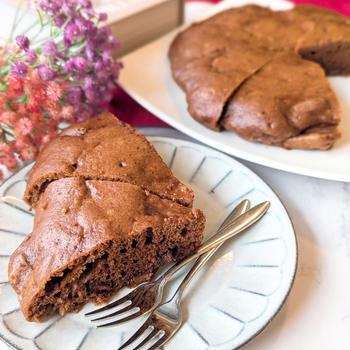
(5,149)
(13,49)
(40,94)
(37,139)
(37,120)
(28,153)
(33,104)
(21,108)
(52,126)
(22,42)
(54,91)
(28,87)
(50,48)
(42,59)
(19,69)
(80,64)
(24,126)
(67,113)
(51,106)
(71,31)
(55,114)
(1,176)
(9,117)
(43,89)
(9,161)
(3,100)
(102,17)
(21,142)
(46,73)
(15,83)
(31,56)
(35,77)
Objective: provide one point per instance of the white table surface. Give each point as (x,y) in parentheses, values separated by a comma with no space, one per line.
(316,315)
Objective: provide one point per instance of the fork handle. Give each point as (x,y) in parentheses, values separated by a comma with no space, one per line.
(229,230)
(239,210)
(241,223)
(194,269)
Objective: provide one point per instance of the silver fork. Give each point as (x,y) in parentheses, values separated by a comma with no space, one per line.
(147,296)
(164,322)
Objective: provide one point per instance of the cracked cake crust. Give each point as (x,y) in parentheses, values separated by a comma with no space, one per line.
(104,148)
(109,213)
(214,60)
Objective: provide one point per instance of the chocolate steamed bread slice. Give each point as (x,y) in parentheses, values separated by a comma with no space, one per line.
(93,237)
(104,148)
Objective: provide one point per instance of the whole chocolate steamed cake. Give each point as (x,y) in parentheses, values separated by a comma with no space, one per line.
(99,226)
(240,49)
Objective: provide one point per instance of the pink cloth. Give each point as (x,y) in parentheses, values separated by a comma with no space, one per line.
(130,111)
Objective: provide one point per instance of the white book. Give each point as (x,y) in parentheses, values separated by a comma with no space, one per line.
(137,22)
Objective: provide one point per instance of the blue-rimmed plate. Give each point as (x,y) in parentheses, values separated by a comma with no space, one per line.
(231,300)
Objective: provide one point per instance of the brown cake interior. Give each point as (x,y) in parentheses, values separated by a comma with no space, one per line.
(330,56)
(115,264)
(91,238)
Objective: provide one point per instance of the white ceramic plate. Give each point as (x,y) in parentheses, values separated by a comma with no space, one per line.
(232,299)
(147,78)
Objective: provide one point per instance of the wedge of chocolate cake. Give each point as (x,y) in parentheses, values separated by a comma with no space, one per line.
(99,226)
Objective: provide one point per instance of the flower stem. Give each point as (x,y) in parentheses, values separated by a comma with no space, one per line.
(21,16)
(33,25)
(14,24)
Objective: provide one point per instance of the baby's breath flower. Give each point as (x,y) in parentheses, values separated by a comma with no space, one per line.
(19,69)
(31,56)
(71,32)
(46,73)
(24,126)
(54,91)
(50,48)
(65,77)
(22,41)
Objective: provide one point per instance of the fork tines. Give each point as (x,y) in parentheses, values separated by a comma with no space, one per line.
(154,333)
(111,305)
